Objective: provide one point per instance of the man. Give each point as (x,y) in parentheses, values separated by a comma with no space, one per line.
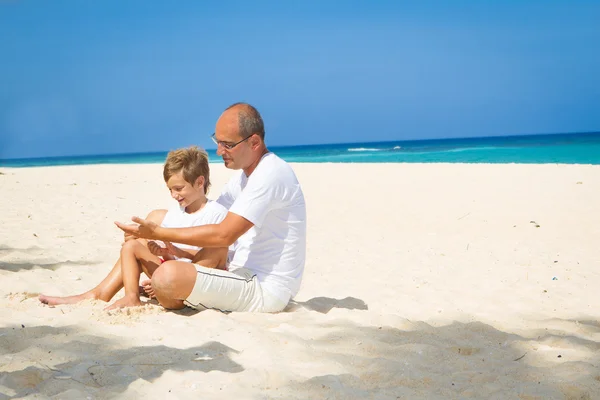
(267,218)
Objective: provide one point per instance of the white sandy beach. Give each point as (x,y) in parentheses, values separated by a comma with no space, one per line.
(423,281)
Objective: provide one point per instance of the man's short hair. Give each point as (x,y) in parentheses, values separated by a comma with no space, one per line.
(250,120)
(191,162)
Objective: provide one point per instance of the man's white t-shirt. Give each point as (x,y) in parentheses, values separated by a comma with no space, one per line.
(176,217)
(275,247)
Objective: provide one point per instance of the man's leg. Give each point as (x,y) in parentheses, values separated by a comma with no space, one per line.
(203,287)
(135,258)
(173,282)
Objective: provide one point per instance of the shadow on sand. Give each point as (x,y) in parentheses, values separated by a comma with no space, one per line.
(325,304)
(110,366)
(459,360)
(36,253)
(350,355)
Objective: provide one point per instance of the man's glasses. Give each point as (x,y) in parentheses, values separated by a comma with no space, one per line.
(226,145)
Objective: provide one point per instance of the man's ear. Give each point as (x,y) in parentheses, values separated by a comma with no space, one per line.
(255,141)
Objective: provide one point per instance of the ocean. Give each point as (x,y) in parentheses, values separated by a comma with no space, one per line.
(575,148)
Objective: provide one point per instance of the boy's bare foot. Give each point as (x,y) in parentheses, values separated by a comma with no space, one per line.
(127,301)
(142,291)
(54,301)
(146,286)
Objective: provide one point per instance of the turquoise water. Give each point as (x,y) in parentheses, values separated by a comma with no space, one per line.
(580,148)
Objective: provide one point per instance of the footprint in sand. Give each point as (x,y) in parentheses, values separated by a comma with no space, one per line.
(465,351)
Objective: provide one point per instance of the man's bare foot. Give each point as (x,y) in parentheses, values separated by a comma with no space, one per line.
(127,301)
(54,301)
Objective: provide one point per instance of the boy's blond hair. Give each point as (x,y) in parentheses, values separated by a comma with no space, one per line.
(191,162)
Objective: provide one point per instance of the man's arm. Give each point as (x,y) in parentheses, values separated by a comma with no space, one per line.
(214,235)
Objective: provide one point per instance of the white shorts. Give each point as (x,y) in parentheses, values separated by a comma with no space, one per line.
(237,290)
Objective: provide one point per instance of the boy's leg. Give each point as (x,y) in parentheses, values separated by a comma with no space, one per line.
(135,258)
(105,290)
(110,285)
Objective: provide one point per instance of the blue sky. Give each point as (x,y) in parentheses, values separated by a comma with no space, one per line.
(83,77)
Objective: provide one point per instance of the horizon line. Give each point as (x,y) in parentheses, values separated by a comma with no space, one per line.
(305,145)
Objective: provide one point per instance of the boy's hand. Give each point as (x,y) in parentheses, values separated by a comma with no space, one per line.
(157,250)
(145,228)
(176,251)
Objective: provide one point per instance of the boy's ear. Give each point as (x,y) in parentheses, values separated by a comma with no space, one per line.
(200,181)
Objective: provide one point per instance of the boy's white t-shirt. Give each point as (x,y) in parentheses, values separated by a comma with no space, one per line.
(176,217)
(275,247)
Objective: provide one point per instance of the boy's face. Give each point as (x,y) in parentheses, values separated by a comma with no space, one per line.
(184,192)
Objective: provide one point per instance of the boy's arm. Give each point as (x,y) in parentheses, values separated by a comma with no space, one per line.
(157,216)
(181,253)
(211,257)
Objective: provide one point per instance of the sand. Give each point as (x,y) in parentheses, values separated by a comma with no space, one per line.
(435,281)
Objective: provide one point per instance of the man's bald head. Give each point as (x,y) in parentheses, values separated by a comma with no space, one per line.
(248,119)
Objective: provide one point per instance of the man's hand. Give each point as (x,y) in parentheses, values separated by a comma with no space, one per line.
(145,229)
(127,237)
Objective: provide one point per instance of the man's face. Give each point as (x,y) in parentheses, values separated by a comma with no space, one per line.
(231,146)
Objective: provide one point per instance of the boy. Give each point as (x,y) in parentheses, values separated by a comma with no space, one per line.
(186,173)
